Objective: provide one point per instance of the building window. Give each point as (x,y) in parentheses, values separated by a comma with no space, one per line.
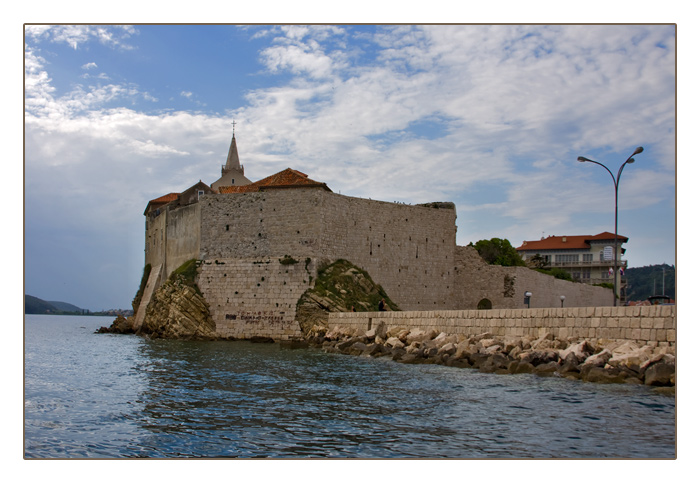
(233,181)
(587,257)
(200,193)
(566,258)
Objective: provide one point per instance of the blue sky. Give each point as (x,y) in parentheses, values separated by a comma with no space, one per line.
(491,117)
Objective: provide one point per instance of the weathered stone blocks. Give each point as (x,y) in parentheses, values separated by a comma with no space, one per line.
(622,323)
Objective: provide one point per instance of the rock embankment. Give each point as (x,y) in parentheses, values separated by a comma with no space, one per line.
(178,311)
(600,361)
(339,287)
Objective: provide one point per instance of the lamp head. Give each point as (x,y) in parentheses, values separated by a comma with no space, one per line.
(581,159)
(638,150)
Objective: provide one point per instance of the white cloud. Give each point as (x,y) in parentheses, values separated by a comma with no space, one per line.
(490,117)
(75,35)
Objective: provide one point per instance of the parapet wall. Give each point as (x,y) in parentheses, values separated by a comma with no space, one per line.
(644,325)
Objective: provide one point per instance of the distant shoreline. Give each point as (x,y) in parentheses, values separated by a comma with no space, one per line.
(89,314)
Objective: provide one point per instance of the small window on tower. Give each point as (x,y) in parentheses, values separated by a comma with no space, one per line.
(233,181)
(200,193)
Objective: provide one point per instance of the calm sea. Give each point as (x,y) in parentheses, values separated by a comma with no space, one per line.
(116,396)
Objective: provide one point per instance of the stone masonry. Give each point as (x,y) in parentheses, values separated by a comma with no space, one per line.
(255,297)
(645,325)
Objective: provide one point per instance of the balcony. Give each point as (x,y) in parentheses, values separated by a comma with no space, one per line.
(591,264)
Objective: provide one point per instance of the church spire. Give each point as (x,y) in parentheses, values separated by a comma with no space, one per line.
(231,172)
(232,161)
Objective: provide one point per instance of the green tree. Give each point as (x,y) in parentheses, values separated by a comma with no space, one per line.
(538,261)
(498,251)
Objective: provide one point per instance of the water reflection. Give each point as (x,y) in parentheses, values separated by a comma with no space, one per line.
(238,399)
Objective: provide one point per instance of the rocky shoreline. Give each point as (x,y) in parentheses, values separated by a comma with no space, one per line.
(591,361)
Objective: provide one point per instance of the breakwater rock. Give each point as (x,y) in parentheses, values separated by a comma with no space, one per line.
(591,361)
(120,325)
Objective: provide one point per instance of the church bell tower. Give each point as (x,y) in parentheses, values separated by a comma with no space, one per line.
(232,173)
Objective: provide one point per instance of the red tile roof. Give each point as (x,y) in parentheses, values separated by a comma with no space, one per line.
(158,202)
(569,242)
(289,178)
(166,198)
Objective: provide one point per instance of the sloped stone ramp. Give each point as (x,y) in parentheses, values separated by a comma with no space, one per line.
(151,285)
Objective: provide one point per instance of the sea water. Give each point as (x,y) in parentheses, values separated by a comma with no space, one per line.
(104,396)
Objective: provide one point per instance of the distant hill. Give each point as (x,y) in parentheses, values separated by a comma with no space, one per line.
(66,307)
(34,305)
(643,282)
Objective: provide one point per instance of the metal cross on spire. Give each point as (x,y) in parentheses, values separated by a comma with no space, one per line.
(234,126)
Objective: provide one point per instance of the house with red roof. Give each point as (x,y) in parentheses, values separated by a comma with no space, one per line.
(588,258)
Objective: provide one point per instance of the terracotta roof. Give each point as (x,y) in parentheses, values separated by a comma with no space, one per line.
(166,198)
(581,242)
(158,202)
(289,178)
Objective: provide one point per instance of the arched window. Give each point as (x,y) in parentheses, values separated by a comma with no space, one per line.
(484,304)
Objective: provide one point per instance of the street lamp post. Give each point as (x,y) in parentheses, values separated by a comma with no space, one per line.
(616,182)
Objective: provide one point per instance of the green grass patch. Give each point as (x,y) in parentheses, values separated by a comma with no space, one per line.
(187,272)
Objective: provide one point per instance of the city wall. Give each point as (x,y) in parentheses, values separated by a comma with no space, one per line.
(644,325)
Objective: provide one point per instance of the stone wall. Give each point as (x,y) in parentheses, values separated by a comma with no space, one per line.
(155,235)
(255,297)
(409,250)
(505,287)
(182,236)
(173,236)
(644,325)
(267,224)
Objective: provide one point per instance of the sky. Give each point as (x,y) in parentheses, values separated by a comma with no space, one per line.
(490,117)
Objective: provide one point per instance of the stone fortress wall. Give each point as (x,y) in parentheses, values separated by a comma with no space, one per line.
(409,249)
(255,297)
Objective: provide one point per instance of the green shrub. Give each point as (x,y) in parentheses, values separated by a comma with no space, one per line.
(556,273)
